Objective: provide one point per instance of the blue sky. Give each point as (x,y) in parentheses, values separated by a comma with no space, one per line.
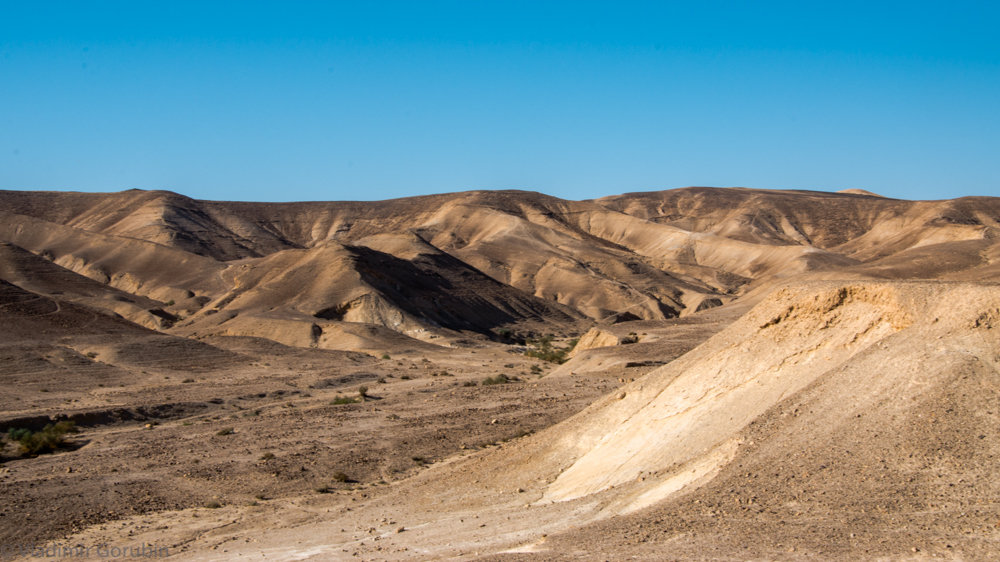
(278,101)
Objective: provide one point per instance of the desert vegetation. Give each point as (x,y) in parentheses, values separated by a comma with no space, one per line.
(49,439)
(544,349)
(498,379)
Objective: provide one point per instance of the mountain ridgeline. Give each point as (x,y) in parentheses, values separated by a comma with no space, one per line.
(443,268)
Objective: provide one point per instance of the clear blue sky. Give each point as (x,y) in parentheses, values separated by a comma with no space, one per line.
(276,101)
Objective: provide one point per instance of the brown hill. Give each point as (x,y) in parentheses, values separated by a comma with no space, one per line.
(40,275)
(784,374)
(474,261)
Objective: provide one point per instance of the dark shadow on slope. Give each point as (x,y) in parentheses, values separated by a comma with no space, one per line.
(447,292)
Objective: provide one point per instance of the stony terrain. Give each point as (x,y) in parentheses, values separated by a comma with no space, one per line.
(756,374)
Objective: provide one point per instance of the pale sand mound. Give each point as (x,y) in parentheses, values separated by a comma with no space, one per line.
(861,401)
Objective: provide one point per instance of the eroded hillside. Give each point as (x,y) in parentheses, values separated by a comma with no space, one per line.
(758,374)
(439,266)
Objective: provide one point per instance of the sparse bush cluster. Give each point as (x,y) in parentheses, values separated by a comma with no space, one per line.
(543,349)
(499,379)
(49,439)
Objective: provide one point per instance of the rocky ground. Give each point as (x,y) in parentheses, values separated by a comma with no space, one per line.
(274,430)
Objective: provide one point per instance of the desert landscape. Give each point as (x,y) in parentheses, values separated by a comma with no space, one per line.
(696,373)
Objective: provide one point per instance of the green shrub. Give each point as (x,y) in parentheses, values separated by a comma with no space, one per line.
(340,477)
(543,349)
(632,337)
(343,400)
(17,434)
(499,379)
(50,438)
(226,431)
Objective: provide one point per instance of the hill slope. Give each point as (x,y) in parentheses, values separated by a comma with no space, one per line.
(837,420)
(477,262)
(802,374)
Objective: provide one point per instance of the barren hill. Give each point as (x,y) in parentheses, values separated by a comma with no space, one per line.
(501,259)
(759,374)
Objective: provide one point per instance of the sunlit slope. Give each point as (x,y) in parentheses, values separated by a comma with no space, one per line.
(297,296)
(887,344)
(474,261)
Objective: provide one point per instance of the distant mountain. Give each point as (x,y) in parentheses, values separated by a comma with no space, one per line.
(440,266)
